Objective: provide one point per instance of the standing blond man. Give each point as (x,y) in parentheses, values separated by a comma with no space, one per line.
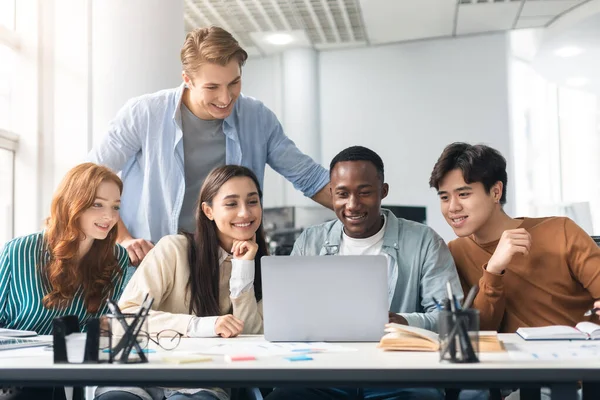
(165,143)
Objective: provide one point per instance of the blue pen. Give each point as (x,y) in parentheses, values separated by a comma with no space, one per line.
(456,303)
(437,303)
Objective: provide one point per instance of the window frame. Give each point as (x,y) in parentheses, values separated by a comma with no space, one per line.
(9,140)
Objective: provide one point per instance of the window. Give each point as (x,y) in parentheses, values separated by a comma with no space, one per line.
(7,14)
(6,194)
(556,141)
(8,140)
(580,164)
(536,143)
(7,73)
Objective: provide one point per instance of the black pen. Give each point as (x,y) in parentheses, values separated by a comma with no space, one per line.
(451,297)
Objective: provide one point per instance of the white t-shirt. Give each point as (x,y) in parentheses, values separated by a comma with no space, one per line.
(363,247)
(368,247)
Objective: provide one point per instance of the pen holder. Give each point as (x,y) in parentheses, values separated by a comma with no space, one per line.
(459,336)
(126,340)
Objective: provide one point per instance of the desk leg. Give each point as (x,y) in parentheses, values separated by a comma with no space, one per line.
(564,391)
(591,391)
(529,394)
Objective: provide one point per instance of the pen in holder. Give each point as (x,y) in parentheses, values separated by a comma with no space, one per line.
(459,335)
(128,334)
(127,338)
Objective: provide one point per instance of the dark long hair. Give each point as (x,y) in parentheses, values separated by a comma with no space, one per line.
(203,253)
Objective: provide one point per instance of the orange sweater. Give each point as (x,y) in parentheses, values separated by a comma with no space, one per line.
(554,285)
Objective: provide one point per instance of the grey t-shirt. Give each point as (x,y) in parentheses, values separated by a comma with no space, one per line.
(203,150)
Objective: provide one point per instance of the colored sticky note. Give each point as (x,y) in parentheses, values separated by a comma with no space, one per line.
(133,351)
(299,358)
(239,357)
(308,350)
(186,359)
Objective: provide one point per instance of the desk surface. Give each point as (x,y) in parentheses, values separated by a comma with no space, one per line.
(366,366)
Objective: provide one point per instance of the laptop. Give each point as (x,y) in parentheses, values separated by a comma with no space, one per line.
(18,343)
(324,298)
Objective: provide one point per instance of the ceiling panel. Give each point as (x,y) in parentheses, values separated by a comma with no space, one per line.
(337,24)
(388,21)
(539,8)
(323,21)
(486,17)
(533,22)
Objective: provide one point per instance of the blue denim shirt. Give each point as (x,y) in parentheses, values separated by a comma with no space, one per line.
(419,267)
(144,143)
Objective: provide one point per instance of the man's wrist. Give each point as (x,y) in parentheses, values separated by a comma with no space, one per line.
(123,238)
(494,269)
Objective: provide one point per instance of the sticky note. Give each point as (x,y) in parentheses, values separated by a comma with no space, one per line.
(186,359)
(299,358)
(239,357)
(133,351)
(307,351)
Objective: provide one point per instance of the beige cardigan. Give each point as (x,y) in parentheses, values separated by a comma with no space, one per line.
(164,274)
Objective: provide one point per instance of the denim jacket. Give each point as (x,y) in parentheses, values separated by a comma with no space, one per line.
(145,143)
(419,267)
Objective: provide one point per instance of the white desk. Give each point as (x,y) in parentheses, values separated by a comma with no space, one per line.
(367,366)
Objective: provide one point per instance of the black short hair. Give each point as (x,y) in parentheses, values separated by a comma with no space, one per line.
(359,153)
(478,163)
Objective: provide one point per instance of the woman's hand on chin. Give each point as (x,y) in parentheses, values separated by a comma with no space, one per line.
(244,249)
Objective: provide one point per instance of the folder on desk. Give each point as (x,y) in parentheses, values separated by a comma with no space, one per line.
(410,338)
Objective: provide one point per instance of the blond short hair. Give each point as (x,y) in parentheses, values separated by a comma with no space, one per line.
(210,45)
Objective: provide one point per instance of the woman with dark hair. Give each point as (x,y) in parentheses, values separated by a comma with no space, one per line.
(71,267)
(207,283)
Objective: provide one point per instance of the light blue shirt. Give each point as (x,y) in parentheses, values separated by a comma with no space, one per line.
(419,266)
(144,143)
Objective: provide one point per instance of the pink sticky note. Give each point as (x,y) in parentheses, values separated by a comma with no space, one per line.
(239,357)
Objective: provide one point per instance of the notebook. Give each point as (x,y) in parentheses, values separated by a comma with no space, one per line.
(18,343)
(4,332)
(411,338)
(582,331)
(324,298)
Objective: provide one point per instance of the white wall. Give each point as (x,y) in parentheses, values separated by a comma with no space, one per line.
(135,49)
(406,102)
(262,79)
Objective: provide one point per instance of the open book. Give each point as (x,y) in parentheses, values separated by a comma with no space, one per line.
(411,338)
(581,331)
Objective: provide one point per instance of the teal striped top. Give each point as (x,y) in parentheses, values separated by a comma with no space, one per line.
(22,287)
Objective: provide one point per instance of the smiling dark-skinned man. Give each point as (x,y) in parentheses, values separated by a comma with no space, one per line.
(419,262)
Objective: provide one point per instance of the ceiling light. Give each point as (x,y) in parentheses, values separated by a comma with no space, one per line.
(577,81)
(568,51)
(280,39)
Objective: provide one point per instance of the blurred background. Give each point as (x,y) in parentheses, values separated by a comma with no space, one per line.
(403,77)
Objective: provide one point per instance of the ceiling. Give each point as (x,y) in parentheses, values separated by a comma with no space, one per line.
(331,24)
(585,35)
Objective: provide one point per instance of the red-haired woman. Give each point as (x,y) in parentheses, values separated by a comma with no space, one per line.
(74,265)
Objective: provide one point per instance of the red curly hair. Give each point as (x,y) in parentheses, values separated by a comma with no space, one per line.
(64,273)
